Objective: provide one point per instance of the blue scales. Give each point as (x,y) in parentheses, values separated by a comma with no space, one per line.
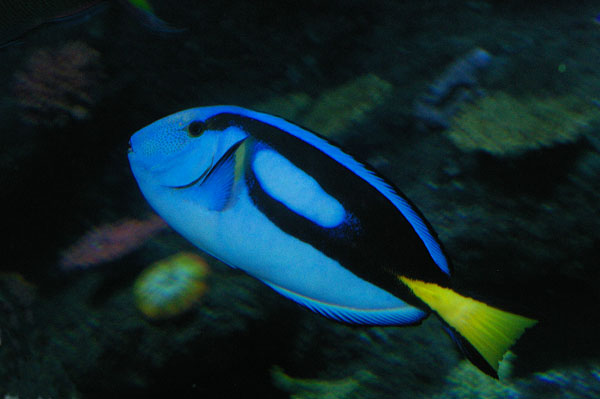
(281,203)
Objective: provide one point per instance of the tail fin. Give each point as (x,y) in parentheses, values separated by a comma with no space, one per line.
(489,330)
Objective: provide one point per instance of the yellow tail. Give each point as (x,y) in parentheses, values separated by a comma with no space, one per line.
(489,330)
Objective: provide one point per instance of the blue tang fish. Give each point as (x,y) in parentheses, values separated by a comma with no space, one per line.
(284,205)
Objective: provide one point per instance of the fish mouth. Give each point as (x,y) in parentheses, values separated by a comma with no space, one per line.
(129,148)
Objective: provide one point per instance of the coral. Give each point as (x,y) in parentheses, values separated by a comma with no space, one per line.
(290,106)
(59,85)
(334,111)
(457,84)
(465,381)
(110,242)
(171,286)
(17,297)
(501,124)
(321,389)
(580,382)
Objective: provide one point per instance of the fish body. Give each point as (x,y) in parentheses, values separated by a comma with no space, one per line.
(281,203)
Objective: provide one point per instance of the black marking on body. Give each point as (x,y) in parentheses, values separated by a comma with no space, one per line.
(378,245)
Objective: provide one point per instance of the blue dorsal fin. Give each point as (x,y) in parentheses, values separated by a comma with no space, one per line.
(403,205)
(380,317)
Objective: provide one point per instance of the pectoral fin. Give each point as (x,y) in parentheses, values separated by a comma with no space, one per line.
(217,186)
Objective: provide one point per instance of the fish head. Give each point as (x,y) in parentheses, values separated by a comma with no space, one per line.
(177,152)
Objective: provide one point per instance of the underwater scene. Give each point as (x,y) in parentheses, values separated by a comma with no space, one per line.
(317,199)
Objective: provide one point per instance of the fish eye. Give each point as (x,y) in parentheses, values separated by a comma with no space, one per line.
(196,128)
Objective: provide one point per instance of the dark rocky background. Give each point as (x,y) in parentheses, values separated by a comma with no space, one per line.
(521,226)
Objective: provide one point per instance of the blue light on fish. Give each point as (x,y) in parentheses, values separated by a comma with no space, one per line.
(279,202)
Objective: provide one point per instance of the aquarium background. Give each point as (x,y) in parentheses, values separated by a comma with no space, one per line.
(486,114)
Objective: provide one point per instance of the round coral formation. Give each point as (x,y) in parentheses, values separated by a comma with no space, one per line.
(502,124)
(171,286)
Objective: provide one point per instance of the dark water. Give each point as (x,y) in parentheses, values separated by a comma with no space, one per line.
(502,157)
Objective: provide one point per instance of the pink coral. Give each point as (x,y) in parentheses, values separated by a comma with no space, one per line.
(110,242)
(59,85)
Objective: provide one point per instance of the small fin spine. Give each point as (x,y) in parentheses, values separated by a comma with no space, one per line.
(489,330)
(240,162)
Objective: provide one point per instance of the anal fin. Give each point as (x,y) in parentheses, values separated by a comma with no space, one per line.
(402,315)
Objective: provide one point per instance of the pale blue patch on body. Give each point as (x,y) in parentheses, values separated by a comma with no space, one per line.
(295,189)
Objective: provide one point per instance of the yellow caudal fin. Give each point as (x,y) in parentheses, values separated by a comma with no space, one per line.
(489,330)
